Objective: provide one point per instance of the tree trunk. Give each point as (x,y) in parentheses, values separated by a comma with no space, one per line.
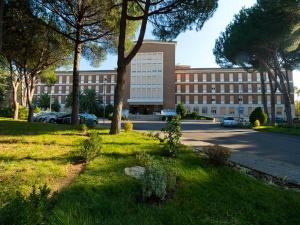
(273,91)
(15,101)
(1,22)
(263,92)
(29,96)
(75,93)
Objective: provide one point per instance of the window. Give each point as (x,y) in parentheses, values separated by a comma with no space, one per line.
(52,90)
(269,99)
(222,88)
(223,110)
(89,87)
(240,88)
(259,99)
(279,111)
(213,99)
(258,77)
(97,79)
(178,88)
(213,77)
(204,77)
(112,78)
(240,99)
(249,88)
(195,77)
(112,89)
(204,110)
(46,89)
(187,88)
(187,99)
(187,78)
(196,109)
(213,110)
(39,89)
(222,99)
(204,88)
(178,77)
(59,89)
(267,77)
(59,99)
(67,89)
(60,79)
(250,99)
(231,88)
(111,99)
(249,75)
(196,99)
(268,88)
(258,88)
(82,79)
(231,110)
(97,89)
(178,99)
(204,99)
(231,77)
(231,99)
(68,79)
(196,88)
(240,77)
(213,88)
(278,98)
(222,77)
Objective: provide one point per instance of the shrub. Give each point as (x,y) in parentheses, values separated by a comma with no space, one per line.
(181,110)
(6,112)
(23,113)
(26,211)
(89,148)
(37,109)
(83,128)
(256,123)
(217,155)
(55,106)
(258,114)
(128,126)
(172,133)
(159,178)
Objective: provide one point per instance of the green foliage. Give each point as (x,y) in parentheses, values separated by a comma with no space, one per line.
(23,113)
(6,112)
(217,155)
(83,128)
(258,114)
(159,177)
(43,101)
(172,133)
(88,101)
(26,211)
(128,126)
(37,109)
(90,148)
(181,110)
(55,106)
(256,123)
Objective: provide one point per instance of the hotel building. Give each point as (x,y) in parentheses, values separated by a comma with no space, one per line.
(153,83)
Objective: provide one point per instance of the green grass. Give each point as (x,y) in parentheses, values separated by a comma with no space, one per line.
(102,194)
(284,130)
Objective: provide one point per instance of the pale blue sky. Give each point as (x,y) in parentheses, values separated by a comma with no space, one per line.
(195,48)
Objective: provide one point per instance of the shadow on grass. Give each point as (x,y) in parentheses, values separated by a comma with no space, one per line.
(62,159)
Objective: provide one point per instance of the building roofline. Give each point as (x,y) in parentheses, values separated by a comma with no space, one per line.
(151,41)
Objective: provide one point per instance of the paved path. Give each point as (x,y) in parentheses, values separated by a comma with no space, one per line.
(272,153)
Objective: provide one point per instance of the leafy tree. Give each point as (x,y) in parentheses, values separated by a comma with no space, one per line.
(181,110)
(90,25)
(88,101)
(258,114)
(169,19)
(264,37)
(36,47)
(43,101)
(55,106)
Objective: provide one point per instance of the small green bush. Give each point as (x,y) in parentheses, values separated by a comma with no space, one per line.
(6,112)
(83,128)
(23,113)
(258,114)
(23,210)
(89,148)
(37,109)
(172,134)
(218,155)
(181,110)
(159,177)
(256,123)
(128,126)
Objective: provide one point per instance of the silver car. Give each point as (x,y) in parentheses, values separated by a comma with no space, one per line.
(229,122)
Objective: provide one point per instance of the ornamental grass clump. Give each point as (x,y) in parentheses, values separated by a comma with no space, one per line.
(217,155)
(128,126)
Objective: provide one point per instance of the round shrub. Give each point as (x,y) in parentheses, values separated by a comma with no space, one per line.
(258,114)
(217,155)
(256,123)
(128,126)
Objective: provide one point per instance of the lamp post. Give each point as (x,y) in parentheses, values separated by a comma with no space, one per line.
(104,98)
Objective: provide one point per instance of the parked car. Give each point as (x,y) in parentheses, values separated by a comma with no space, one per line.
(229,122)
(37,116)
(87,118)
(51,117)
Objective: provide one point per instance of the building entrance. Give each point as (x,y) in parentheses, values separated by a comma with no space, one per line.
(144,109)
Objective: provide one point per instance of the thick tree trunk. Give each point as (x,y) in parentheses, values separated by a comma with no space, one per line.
(75,93)
(29,96)
(273,100)
(263,92)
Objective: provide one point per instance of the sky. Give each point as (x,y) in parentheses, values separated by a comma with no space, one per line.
(195,48)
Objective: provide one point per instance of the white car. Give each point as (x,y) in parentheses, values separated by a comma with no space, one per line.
(229,122)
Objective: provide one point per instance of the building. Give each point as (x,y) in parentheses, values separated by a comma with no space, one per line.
(154,82)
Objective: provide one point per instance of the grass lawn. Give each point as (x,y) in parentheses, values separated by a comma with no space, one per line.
(285,130)
(102,194)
